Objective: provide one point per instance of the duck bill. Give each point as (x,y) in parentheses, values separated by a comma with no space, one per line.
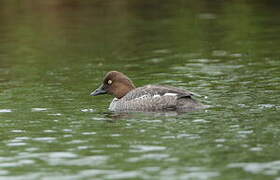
(99,91)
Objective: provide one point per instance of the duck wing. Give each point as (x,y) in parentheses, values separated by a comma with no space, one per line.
(157,90)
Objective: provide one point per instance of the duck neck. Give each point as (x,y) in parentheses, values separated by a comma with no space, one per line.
(123,90)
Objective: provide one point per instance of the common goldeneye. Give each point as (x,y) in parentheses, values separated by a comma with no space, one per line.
(146,98)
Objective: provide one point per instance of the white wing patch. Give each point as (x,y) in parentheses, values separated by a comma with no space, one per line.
(170,94)
(155,96)
(142,97)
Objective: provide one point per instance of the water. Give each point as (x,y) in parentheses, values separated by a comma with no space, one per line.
(54,53)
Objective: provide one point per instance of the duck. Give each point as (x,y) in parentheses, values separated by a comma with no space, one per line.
(128,97)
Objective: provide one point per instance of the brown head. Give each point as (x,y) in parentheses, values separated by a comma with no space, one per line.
(114,83)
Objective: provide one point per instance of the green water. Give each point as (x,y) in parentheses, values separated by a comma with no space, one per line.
(54,53)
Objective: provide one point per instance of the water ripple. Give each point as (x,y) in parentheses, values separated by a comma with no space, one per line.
(145,148)
(39,109)
(84,161)
(267,168)
(5,110)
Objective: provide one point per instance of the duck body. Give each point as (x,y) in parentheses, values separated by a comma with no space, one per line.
(146,98)
(154,98)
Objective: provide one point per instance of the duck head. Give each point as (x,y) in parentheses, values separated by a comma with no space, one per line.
(115,83)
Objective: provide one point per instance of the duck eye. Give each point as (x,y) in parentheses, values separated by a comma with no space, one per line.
(109,81)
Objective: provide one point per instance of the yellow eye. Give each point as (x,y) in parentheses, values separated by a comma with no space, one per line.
(109,81)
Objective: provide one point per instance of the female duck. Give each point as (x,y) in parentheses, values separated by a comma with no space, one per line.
(146,98)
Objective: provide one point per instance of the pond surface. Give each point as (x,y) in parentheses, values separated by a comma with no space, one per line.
(54,53)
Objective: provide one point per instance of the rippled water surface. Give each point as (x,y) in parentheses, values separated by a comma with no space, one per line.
(54,53)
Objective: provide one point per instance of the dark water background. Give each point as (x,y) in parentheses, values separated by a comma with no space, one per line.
(54,53)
